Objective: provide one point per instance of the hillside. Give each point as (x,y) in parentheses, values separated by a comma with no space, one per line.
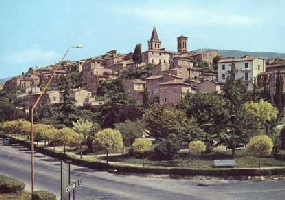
(239,53)
(3,80)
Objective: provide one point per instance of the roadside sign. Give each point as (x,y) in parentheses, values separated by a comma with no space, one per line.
(65,180)
(73,185)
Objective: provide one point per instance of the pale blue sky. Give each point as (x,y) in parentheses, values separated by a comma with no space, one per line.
(37,32)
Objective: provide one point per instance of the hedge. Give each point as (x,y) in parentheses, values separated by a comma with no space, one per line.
(201,172)
(10,185)
(43,195)
(225,172)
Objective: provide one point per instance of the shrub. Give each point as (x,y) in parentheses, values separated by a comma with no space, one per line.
(10,185)
(197,146)
(260,145)
(167,148)
(43,195)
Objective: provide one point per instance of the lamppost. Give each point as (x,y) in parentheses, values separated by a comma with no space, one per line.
(32,115)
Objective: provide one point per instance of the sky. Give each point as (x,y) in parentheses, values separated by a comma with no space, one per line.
(36,33)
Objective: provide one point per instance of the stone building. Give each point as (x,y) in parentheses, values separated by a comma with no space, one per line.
(154,43)
(209,86)
(171,92)
(81,96)
(152,83)
(155,53)
(135,89)
(206,56)
(182,44)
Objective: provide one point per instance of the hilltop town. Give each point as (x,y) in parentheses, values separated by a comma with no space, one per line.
(168,76)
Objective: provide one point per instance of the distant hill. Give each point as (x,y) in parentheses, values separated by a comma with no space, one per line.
(239,53)
(3,80)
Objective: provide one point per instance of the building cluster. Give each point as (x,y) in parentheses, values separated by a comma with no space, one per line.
(174,73)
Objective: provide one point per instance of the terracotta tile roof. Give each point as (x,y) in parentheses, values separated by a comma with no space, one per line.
(175,82)
(155,77)
(154,35)
(212,81)
(177,77)
(245,58)
(160,51)
(275,65)
(138,81)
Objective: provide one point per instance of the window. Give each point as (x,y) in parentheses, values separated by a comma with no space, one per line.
(164,61)
(223,67)
(160,54)
(152,60)
(54,98)
(223,76)
(246,65)
(164,100)
(258,67)
(159,60)
(246,76)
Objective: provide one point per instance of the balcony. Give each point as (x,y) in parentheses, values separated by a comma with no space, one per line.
(245,69)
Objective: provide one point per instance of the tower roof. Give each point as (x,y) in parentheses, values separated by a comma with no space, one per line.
(154,35)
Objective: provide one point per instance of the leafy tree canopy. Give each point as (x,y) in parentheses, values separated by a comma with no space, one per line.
(159,121)
(130,130)
(260,113)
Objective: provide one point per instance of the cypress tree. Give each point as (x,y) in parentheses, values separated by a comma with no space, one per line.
(137,56)
(278,98)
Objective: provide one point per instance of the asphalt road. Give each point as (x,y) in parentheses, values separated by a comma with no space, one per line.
(15,162)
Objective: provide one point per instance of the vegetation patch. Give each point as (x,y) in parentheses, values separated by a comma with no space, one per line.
(10,185)
(43,195)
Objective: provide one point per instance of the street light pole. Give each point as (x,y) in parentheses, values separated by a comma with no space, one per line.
(32,115)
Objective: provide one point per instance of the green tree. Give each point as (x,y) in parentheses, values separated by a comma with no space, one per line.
(137,55)
(68,112)
(75,140)
(66,135)
(167,148)
(142,145)
(234,91)
(159,121)
(282,137)
(259,114)
(37,133)
(7,110)
(260,145)
(211,113)
(266,89)
(197,147)
(111,114)
(21,126)
(109,140)
(84,127)
(53,134)
(114,91)
(44,109)
(45,132)
(278,98)
(235,94)
(130,130)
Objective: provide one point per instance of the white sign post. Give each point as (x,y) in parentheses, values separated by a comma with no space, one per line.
(65,180)
(73,185)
